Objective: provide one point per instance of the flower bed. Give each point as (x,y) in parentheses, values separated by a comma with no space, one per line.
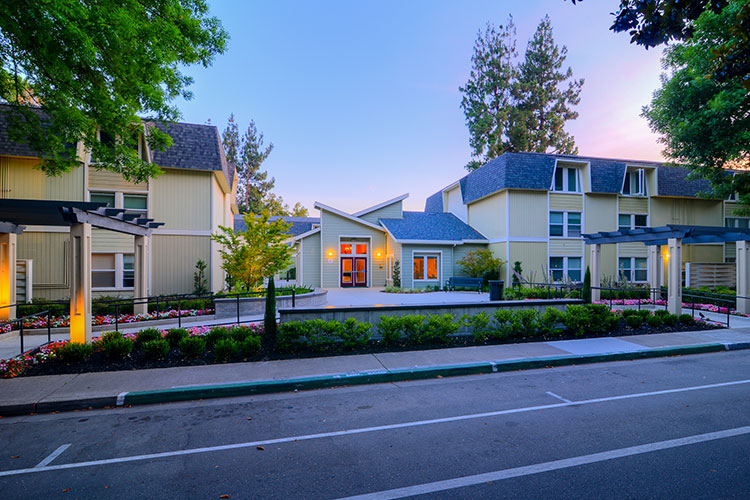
(64,321)
(685,305)
(152,348)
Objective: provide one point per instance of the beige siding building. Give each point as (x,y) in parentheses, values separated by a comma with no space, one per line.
(192,197)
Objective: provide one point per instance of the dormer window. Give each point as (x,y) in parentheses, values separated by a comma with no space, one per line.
(567,180)
(635,182)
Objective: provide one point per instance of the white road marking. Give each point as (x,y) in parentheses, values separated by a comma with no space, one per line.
(460,482)
(52,456)
(559,397)
(121,398)
(362,430)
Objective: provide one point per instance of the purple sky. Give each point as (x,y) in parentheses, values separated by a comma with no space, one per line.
(361,99)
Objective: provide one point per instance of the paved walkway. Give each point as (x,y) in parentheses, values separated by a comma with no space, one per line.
(66,392)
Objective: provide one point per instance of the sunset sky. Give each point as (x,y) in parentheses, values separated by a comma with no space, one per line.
(361,99)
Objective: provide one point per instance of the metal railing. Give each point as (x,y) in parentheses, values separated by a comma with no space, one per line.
(554,290)
(21,321)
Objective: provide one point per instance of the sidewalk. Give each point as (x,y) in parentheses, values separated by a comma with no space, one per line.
(97,390)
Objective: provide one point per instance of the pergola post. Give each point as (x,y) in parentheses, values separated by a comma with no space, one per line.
(654,279)
(743,276)
(8,242)
(140,267)
(674,273)
(80,282)
(596,272)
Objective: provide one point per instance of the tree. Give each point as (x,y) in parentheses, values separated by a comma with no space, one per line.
(704,123)
(200,283)
(482,264)
(299,210)
(518,107)
(544,100)
(268,338)
(488,101)
(251,255)
(99,65)
(586,288)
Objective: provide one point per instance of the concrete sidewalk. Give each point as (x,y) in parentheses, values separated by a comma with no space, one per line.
(97,390)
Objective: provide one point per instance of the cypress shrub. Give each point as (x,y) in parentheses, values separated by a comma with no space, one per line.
(586,291)
(268,339)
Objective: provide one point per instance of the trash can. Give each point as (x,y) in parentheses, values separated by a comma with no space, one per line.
(496,289)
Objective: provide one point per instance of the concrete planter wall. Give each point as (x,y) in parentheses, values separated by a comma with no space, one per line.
(371,314)
(256,306)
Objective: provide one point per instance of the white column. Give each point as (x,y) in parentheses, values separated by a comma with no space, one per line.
(140,267)
(8,243)
(674,273)
(80,283)
(596,271)
(743,276)
(654,279)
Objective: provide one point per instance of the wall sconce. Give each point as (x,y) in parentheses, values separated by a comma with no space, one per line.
(330,254)
(378,254)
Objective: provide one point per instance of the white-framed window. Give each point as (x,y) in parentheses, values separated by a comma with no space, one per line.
(112,271)
(133,202)
(426,267)
(560,267)
(738,222)
(103,197)
(565,224)
(634,269)
(635,182)
(567,180)
(631,221)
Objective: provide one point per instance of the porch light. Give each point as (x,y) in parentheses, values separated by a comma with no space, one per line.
(330,254)
(378,253)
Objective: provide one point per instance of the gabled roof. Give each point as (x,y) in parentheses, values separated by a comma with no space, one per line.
(299,224)
(381,205)
(432,227)
(340,213)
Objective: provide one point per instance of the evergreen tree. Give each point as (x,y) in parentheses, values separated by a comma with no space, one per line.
(256,186)
(544,100)
(268,339)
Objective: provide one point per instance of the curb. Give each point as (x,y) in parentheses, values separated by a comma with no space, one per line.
(356,378)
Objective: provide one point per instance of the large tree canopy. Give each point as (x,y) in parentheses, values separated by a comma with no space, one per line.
(705,123)
(97,65)
(518,106)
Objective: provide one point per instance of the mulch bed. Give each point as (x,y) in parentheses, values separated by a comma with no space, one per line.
(137,360)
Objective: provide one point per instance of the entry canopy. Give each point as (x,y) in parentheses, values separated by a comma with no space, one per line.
(17,213)
(660,235)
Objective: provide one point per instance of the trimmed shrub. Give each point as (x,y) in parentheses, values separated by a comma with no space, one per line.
(390,328)
(289,335)
(661,313)
(686,319)
(436,328)
(109,336)
(526,321)
(589,319)
(240,333)
(147,335)
(586,290)
(671,319)
(192,347)
(73,352)
(479,324)
(175,335)
(644,314)
(268,339)
(117,348)
(550,322)
(634,321)
(321,334)
(216,334)
(655,321)
(250,346)
(505,324)
(411,326)
(226,349)
(155,349)
(355,334)
(630,312)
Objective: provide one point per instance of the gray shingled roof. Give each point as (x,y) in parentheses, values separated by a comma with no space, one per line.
(196,147)
(299,224)
(8,146)
(535,171)
(430,226)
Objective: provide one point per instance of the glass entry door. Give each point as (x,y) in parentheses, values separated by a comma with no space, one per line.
(353,271)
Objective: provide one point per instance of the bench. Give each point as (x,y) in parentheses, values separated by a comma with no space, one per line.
(454,282)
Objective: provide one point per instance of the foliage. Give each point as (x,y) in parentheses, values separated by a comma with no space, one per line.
(518,107)
(215,335)
(147,335)
(589,319)
(226,349)
(200,282)
(704,123)
(315,334)
(175,335)
(115,347)
(436,329)
(156,349)
(257,252)
(73,352)
(192,347)
(108,337)
(479,324)
(482,264)
(686,319)
(91,65)
(396,274)
(586,290)
(355,334)
(426,289)
(655,321)
(550,322)
(634,321)
(240,333)
(389,327)
(517,273)
(268,339)
(250,346)
(671,319)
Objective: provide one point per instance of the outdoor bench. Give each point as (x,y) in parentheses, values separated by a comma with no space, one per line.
(454,282)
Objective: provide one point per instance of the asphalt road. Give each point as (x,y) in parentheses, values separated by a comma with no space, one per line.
(665,428)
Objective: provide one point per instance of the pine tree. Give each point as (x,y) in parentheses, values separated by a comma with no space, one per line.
(257,186)
(544,100)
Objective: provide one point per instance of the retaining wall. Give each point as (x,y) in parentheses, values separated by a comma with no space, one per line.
(227,308)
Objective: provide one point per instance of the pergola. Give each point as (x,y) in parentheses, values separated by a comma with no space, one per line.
(674,236)
(15,214)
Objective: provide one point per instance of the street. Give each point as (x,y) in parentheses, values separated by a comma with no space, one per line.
(662,428)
